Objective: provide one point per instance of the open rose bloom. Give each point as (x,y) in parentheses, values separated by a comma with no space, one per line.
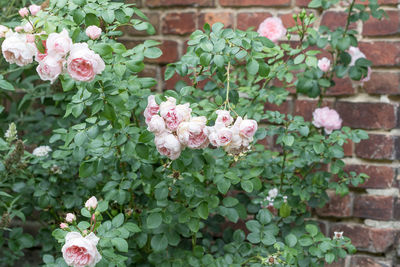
(272,28)
(83,63)
(16,49)
(327,118)
(79,251)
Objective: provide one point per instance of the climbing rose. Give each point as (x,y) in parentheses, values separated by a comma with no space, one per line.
(83,63)
(79,251)
(324,64)
(151,109)
(34,9)
(156,125)
(17,50)
(248,128)
(224,117)
(272,28)
(327,118)
(93,32)
(168,145)
(59,43)
(50,68)
(175,115)
(23,12)
(193,133)
(91,203)
(70,217)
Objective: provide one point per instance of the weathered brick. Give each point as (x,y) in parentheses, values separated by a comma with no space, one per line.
(246,20)
(179,23)
(379,176)
(367,115)
(367,261)
(305,108)
(382,53)
(168,3)
(334,19)
(254,2)
(348,148)
(378,146)
(302,3)
(385,26)
(375,240)
(383,83)
(213,17)
(170,84)
(339,263)
(396,213)
(373,207)
(337,206)
(381,2)
(341,87)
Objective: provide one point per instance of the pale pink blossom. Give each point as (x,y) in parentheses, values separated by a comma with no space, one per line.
(50,68)
(79,251)
(3,31)
(30,38)
(327,118)
(40,56)
(93,32)
(165,106)
(23,12)
(193,133)
(324,64)
(70,217)
(273,193)
(59,43)
(355,54)
(156,125)
(176,115)
(224,136)
(27,27)
(272,28)
(63,225)
(17,50)
(91,203)
(248,128)
(19,29)
(151,109)
(34,9)
(224,117)
(83,63)
(168,145)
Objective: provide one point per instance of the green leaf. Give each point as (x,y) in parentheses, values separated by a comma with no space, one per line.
(118,220)
(230,202)
(103,49)
(305,241)
(159,242)
(219,61)
(132,227)
(299,59)
(142,151)
(247,186)
(135,66)
(154,220)
(291,240)
(152,52)
(268,239)
(91,19)
(288,140)
(252,67)
(264,216)
(120,244)
(6,85)
(312,229)
(329,257)
(86,169)
(202,210)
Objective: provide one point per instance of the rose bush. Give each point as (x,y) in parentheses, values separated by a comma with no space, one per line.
(119,176)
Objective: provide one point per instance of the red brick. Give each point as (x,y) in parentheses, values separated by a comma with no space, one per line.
(305,108)
(396,214)
(285,107)
(179,23)
(170,84)
(337,206)
(341,87)
(339,263)
(378,146)
(385,26)
(254,2)
(246,20)
(375,240)
(333,20)
(213,17)
(379,176)
(154,19)
(302,3)
(348,148)
(382,53)
(380,2)
(367,261)
(373,207)
(367,115)
(383,83)
(168,3)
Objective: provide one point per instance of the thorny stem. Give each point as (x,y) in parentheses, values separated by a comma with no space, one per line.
(227,83)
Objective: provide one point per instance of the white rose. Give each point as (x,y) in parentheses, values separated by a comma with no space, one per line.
(156,125)
(17,50)
(168,145)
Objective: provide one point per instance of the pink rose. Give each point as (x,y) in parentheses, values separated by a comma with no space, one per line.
(50,68)
(193,133)
(324,64)
(79,251)
(168,145)
(3,31)
(19,29)
(272,28)
(83,64)
(156,125)
(224,117)
(63,225)
(34,9)
(91,203)
(327,118)
(70,217)
(248,128)
(176,115)
(224,136)
(23,12)
(59,43)
(167,105)
(40,56)
(235,146)
(151,109)
(355,54)
(30,38)
(17,50)
(93,32)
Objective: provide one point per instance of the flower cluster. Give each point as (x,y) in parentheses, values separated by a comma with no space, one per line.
(80,247)
(175,129)
(55,54)
(327,118)
(41,151)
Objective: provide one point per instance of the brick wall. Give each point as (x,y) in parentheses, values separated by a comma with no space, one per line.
(370,214)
